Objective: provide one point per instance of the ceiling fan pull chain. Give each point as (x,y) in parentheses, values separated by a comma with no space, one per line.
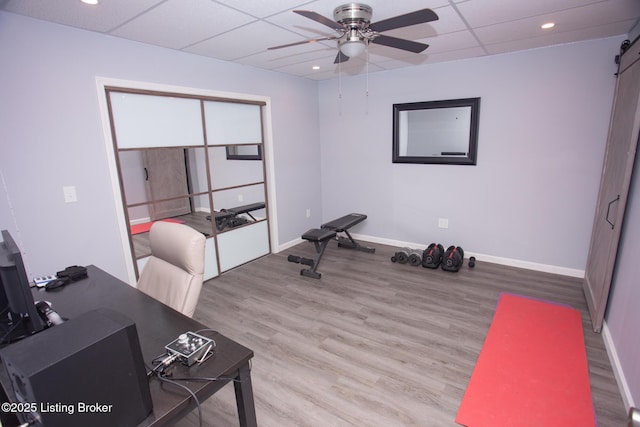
(366,108)
(340,89)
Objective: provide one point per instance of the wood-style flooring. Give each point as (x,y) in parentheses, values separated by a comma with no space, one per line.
(372,343)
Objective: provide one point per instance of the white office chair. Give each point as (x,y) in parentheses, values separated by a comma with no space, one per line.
(173,273)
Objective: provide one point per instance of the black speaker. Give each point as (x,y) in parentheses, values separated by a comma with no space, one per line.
(86,371)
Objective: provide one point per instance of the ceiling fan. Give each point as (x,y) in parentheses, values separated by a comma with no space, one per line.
(352,22)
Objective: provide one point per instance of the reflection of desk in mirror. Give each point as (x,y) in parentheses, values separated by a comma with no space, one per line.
(157,326)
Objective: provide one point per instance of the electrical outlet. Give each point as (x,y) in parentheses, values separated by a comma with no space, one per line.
(240,197)
(70,195)
(308,213)
(443,223)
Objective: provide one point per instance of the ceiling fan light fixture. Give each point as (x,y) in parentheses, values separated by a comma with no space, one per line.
(353,48)
(353,45)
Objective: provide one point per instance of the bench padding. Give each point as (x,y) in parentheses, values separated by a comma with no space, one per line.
(345,222)
(318,235)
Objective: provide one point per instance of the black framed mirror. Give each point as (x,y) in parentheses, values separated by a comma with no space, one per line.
(439,132)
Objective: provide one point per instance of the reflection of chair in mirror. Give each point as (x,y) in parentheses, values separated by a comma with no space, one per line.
(173,274)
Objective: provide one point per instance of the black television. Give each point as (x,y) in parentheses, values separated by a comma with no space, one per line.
(19,316)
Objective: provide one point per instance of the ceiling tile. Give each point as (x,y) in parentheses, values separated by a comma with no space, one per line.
(603,31)
(450,42)
(481,13)
(283,57)
(180,23)
(101,17)
(241,42)
(567,20)
(456,55)
(262,8)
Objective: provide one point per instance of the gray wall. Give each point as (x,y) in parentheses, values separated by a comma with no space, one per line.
(544,118)
(623,313)
(51,136)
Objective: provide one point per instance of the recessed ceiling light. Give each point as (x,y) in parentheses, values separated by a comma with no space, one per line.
(548,25)
(316,67)
(89,1)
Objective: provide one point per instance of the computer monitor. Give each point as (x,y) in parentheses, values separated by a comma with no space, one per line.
(18,314)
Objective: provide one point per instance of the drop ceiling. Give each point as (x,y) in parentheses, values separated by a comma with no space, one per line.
(240,31)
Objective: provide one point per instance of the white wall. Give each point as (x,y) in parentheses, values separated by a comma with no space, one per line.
(544,117)
(51,136)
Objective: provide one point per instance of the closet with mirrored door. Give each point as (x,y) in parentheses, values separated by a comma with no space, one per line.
(197,161)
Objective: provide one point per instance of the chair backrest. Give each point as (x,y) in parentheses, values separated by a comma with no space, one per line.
(173,274)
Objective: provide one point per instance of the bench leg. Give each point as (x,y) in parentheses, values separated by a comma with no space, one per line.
(350,243)
(311,272)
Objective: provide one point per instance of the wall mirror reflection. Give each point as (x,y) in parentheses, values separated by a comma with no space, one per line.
(230,173)
(440,132)
(239,206)
(244,152)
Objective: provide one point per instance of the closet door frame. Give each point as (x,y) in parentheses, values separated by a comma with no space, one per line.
(104,83)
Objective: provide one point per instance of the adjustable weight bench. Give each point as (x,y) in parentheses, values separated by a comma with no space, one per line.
(229,217)
(328,231)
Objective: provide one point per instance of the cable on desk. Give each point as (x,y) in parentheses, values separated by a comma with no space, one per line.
(161,377)
(161,363)
(12,328)
(209,379)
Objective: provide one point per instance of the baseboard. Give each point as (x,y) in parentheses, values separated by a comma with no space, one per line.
(563,271)
(288,245)
(140,221)
(627,398)
(554,269)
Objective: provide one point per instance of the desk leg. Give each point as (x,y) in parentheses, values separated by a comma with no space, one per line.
(244,398)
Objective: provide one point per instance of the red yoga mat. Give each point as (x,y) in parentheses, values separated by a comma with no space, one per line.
(146,226)
(532,369)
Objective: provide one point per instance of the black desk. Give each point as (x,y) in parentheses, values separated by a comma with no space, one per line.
(158,325)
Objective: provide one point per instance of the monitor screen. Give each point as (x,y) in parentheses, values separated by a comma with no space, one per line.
(19,316)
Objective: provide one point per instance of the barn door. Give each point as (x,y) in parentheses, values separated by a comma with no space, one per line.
(166,179)
(612,198)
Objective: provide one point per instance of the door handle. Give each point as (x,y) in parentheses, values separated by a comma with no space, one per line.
(146,175)
(609,208)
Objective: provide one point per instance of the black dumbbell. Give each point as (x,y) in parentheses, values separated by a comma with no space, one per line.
(472,262)
(415,257)
(402,256)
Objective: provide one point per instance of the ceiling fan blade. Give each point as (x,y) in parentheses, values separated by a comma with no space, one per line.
(403,44)
(412,18)
(302,42)
(319,18)
(340,58)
